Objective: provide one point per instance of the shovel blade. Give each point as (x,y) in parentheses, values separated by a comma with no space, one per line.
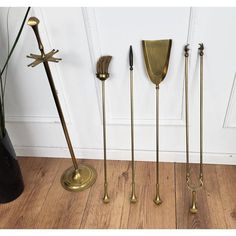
(156,56)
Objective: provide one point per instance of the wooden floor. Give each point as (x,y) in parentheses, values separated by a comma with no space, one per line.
(45,204)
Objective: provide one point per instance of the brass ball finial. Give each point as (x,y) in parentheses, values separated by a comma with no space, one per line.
(33,21)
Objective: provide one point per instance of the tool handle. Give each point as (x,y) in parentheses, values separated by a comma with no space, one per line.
(131,57)
(33,22)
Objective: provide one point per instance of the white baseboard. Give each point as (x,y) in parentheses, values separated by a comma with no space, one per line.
(140,155)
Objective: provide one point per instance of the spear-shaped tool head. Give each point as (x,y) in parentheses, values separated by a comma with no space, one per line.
(131,60)
(156,56)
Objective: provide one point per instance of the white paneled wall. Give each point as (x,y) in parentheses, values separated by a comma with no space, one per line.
(84,34)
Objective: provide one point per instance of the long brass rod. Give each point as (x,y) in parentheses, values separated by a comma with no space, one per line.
(201,114)
(132,125)
(54,93)
(186,117)
(133,197)
(157,200)
(57,102)
(104,131)
(157,135)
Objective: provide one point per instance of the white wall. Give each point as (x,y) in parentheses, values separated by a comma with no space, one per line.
(84,34)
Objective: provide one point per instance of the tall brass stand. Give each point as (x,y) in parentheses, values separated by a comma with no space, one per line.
(77,177)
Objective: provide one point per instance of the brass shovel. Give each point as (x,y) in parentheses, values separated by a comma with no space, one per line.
(156,56)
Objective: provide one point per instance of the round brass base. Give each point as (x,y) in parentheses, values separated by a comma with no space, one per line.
(80,179)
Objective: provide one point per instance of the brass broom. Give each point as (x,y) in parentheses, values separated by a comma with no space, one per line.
(102,74)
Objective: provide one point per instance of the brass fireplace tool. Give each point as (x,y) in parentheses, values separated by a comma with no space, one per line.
(156,56)
(194,188)
(102,74)
(133,197)
(77,177)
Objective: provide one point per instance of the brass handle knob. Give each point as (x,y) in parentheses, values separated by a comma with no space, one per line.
(34,22)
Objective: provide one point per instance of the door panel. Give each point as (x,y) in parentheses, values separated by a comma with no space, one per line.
(84,34)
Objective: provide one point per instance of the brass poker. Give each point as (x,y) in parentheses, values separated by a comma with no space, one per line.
(133,197)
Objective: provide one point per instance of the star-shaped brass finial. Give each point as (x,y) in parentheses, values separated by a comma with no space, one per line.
(43,57)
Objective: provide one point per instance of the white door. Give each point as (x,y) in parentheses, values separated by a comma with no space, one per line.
(84,34)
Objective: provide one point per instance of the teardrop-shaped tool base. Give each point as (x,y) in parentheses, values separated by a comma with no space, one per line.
(133,198)
(157,200)
(80,179)
(193,210)
(106,199)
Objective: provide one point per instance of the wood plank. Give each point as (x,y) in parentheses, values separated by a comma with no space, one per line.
(145,214)
(210,206)
(38,176)
(45,204)
(226,176)
(63,209)
(98,215)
